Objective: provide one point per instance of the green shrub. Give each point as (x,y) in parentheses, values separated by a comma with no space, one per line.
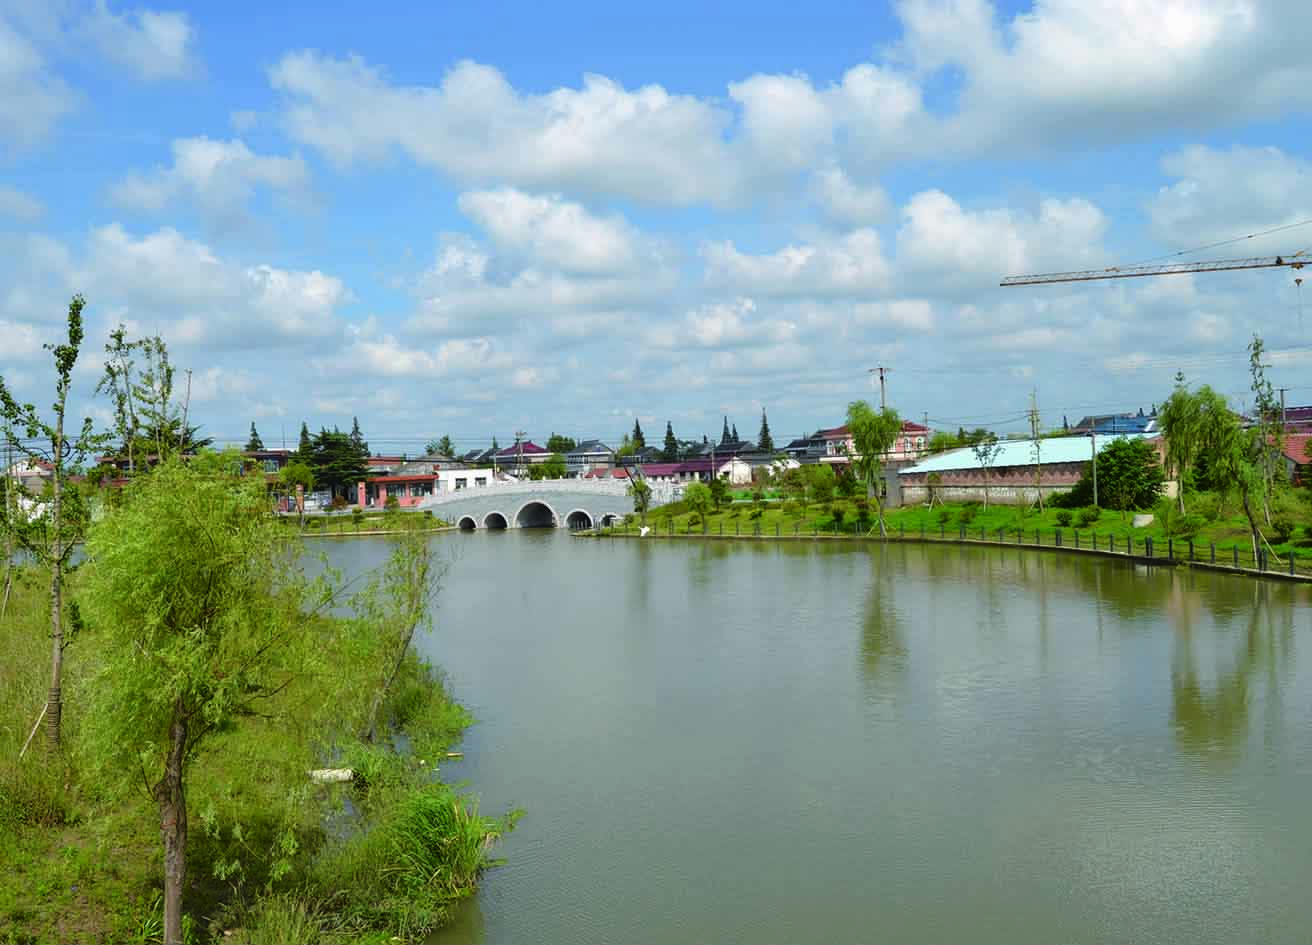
(968,512)
(862,510)
(1208,505)
(339,502)
(837,513)
(1187,526)
(1087,516)
(392,503)
(1064,517)
(314,523)
(1283,528)
(942,516)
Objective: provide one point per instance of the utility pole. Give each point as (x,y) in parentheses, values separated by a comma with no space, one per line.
(1038,458)
(881,371)
(519,452)
(1093,443)
(1282,407)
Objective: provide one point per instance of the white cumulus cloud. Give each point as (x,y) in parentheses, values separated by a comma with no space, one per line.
(152,44)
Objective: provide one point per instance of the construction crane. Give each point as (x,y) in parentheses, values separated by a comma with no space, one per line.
(1296,261)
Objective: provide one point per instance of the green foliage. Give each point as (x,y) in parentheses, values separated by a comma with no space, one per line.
(1087,516)
(862,511)
(554,468)
(392,503)
(559,443)
(837,514)
(941,442)
(640,492)
(670,448)
(1129,477)
(873,435)
(968,513)
(719,492)
(697,497)
(336,461)
(1064,517)
(189,573)
(846,484)
(254,442)
(637,440)
(296,473)
(821,482)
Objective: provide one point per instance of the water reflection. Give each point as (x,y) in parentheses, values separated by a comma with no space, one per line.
(883,641)
(1211,716)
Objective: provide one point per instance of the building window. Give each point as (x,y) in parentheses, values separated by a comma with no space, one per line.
(461,483)
(480,481)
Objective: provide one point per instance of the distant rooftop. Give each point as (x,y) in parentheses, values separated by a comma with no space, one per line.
(1059,449)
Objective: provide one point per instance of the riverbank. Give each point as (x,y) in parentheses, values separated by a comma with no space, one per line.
(272,858)
(1108,534)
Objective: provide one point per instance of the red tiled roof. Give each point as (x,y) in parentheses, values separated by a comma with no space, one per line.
(1295,448)
(528,448)
(910,427)
(837,433)
(401,479)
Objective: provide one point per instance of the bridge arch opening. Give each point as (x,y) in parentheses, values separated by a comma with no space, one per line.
(495,520)
(536,514)
(609,519)
(578,519)
(467,523)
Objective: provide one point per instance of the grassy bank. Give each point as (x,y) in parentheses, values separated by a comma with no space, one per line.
(1209,522)
(366,523)
(272,858)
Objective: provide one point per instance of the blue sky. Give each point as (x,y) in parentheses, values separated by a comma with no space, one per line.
(477,218)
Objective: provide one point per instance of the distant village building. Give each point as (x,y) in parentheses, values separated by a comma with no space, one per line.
(837,445)
(1010,479)
(587,456)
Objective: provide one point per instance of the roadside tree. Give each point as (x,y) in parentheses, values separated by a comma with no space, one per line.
(873,435)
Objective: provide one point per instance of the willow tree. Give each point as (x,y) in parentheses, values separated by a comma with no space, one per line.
(1233,458)
(205,618)
(640,492)
(1180,419)
(873,434)
(52,532)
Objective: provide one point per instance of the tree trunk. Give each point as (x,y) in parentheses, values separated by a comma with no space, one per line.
(173,826)
(54,698)
(1252,519)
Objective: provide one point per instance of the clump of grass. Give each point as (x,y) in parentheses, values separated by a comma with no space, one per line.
(281,919)
(34,792)
(403,875)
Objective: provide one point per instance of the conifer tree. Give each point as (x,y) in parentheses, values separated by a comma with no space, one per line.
(765,441)
(639,441)
(254,443)
(305,449)
(671,449)
(357,439)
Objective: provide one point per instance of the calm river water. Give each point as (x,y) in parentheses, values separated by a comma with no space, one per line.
(720,742)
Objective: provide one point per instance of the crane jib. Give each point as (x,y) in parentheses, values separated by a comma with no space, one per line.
(1296,261)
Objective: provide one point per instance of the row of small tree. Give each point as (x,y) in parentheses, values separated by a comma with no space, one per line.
(201,613)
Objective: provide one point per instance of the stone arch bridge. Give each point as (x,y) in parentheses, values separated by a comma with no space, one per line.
(547,503)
